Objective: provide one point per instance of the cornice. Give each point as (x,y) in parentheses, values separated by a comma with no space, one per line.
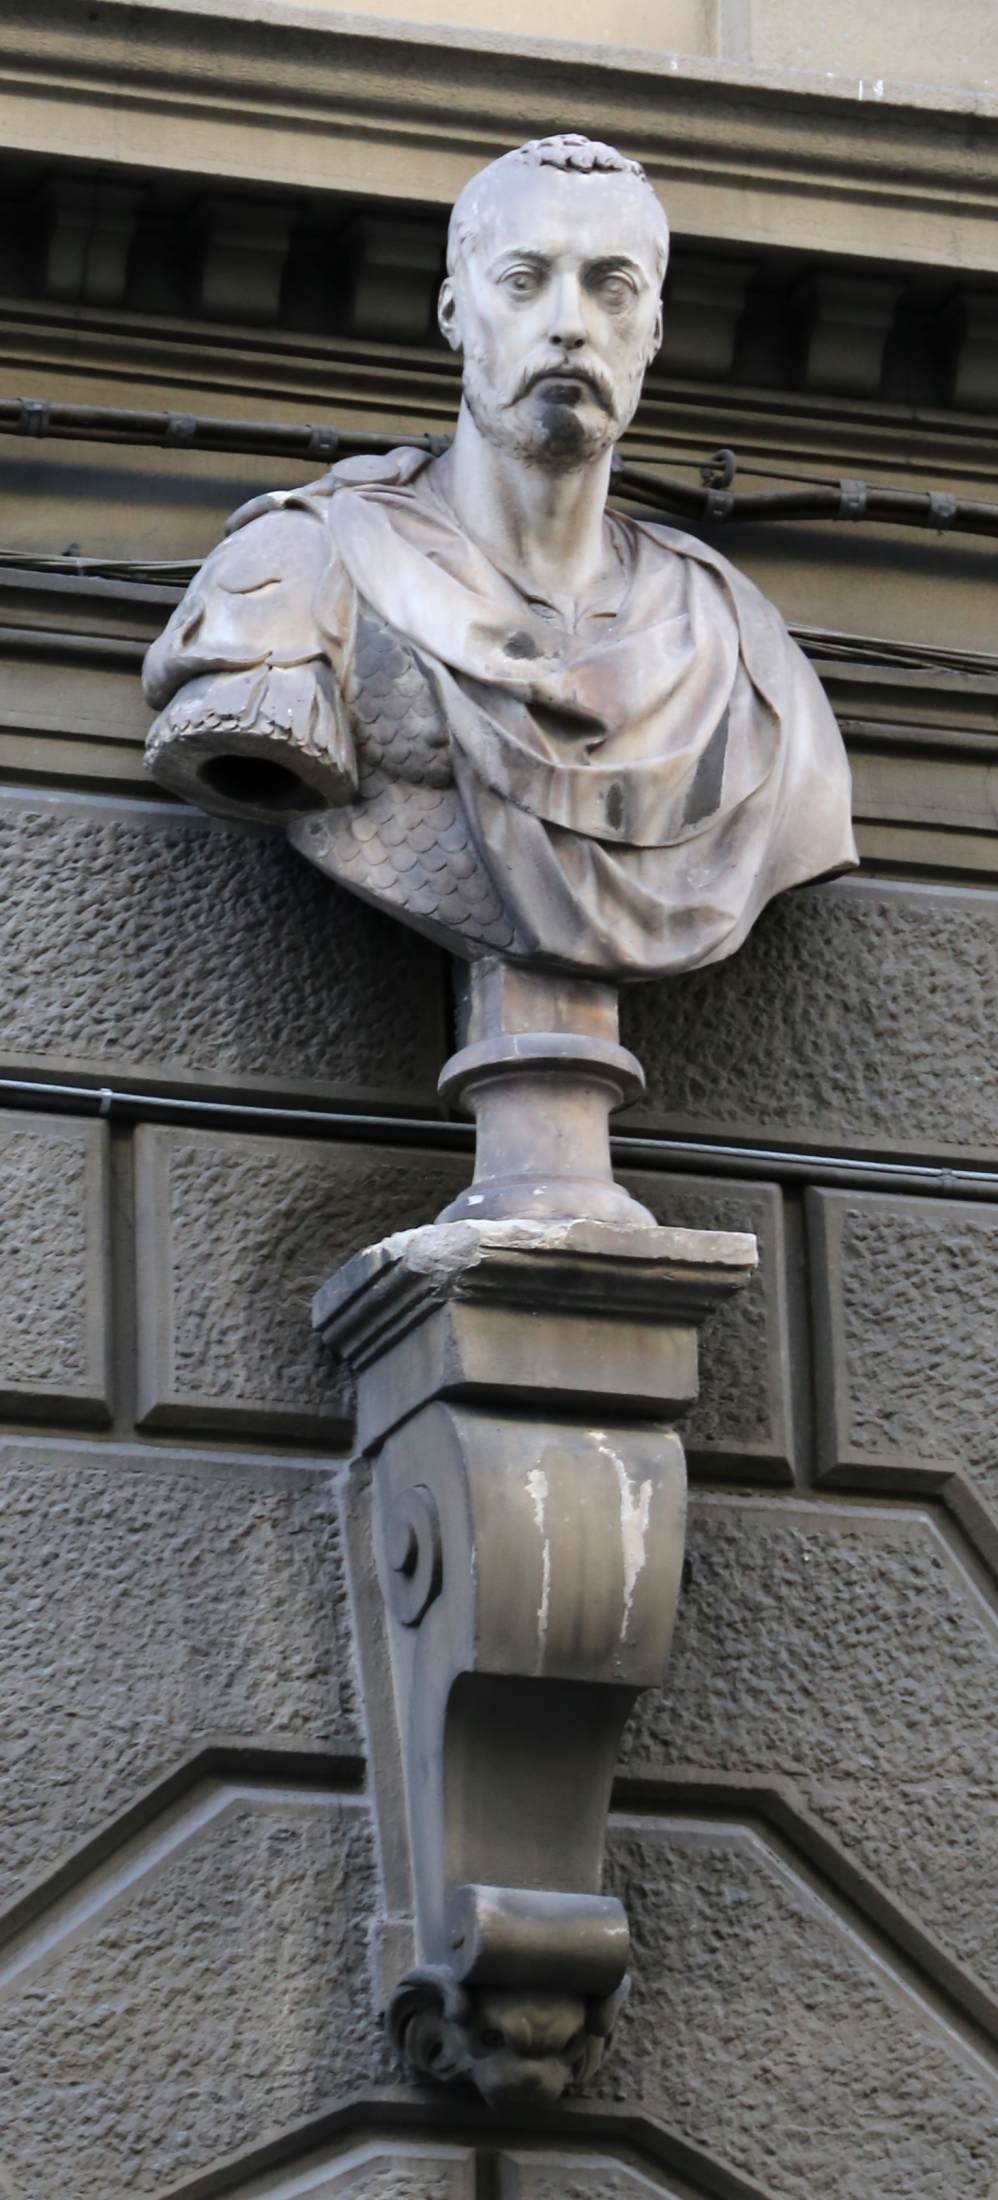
(343,104)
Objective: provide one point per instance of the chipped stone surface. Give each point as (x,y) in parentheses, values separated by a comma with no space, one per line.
(236,1234)
(847,1654)
(763,2027)
(140,941)
(53,1268)
(144,1611)
(223,1995)
(857,1014)
(913,1290)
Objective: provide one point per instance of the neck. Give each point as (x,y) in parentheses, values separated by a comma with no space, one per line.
(545,527)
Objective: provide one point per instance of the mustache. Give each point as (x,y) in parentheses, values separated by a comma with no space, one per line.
(565,370)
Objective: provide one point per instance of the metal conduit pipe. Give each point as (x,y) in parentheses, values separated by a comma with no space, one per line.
(631,1149)
(849,500)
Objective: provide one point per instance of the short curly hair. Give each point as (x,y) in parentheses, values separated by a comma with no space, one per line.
(574,155)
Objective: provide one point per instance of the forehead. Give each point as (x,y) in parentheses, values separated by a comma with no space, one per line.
(564,215)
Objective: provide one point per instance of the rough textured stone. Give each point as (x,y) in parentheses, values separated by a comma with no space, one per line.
(223,1995)
(138,941)
(846,1653)
(912,1287)
(743,1412)
(53,1268)
(144,1611)
(763,2027)
(857,1014)
(235,1236)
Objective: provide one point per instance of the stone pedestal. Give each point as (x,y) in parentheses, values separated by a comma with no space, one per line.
(519,1497)
(541,1070)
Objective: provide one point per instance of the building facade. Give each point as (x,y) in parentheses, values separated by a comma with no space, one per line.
(218,1079)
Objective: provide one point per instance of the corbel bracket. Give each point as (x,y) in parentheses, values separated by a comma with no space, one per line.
(516,1384)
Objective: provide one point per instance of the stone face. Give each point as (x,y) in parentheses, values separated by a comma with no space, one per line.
(743,1413)
(147,1610)
(53,1268)
(221,1994)
(235,1236)
(847,1657)
(764,2026)
(907,1307)
(857,1015)
(137,941)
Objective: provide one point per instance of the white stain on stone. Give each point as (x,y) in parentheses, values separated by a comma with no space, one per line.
(635,1513)
(537,1485)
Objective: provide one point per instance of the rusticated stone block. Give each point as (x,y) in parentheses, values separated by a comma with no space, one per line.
(235,1236)
(53,1268)
(200,1991)
(843,1654)
(765,2026)
(906,1323)
(149,1605)
(142,941)
(743,1414)
(859,1015)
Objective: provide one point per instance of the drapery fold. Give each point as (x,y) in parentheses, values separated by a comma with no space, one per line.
(637,788)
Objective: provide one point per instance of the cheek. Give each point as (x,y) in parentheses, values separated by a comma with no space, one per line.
(627,347)
(500,343)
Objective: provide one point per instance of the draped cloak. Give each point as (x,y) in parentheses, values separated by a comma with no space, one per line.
(635,789)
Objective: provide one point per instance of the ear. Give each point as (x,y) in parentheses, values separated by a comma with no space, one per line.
(447,314)
(655,341)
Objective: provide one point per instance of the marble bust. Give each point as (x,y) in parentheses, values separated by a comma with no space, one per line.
(474,694)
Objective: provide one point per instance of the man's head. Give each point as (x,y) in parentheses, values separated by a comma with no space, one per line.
(555,260)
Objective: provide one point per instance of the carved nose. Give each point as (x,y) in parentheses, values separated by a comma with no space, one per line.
(568,329)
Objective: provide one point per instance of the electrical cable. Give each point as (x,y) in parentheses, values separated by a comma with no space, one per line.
(630,1149)
(849,500)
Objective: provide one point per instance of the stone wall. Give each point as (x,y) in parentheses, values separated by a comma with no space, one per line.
(802,1833)
(218,1078)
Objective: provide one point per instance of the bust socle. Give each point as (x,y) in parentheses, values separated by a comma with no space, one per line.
(528,725)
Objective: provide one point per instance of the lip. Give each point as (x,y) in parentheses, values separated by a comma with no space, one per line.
(568,377)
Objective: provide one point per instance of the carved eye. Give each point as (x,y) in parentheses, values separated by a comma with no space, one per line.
(615,292)
(521,281)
